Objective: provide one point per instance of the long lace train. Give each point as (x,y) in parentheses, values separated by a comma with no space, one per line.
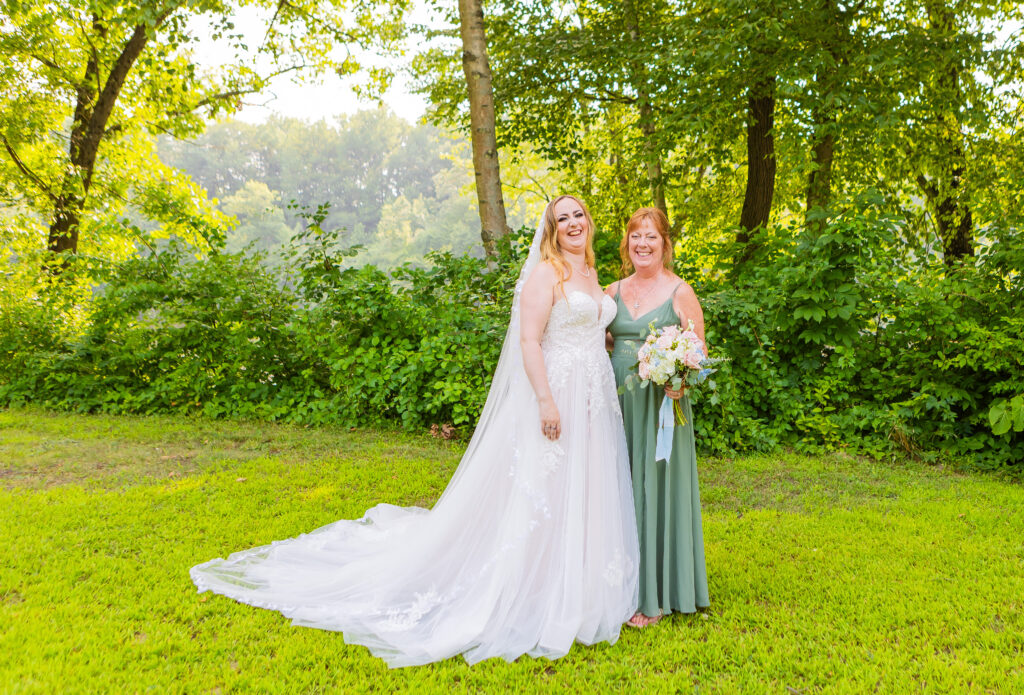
(532,545)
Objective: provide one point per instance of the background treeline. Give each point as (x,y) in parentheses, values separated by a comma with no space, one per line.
(399,190)
(844,179)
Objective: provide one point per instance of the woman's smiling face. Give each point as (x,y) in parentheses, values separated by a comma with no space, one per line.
(646,246)
(572,227)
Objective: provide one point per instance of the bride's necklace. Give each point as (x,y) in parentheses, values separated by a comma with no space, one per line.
(585,272)
(637,297)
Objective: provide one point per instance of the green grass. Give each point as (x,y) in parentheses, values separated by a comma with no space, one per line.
(827,574)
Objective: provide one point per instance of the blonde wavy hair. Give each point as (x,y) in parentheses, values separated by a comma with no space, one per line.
(657,218)
(549,248)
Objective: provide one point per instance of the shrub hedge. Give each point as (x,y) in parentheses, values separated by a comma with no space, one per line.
(838,340)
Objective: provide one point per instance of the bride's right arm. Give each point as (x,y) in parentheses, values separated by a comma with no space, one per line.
(535,308)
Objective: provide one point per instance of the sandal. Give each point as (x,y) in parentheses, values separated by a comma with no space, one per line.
(640,621)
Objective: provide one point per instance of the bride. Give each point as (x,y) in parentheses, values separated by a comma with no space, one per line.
(532,545)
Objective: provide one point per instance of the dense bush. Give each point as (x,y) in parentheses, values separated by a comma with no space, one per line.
(166,332)
(224,335)
(837,339)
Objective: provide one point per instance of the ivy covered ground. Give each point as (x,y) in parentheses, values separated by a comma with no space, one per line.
(829,574)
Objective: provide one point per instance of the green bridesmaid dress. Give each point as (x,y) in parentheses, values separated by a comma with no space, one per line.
(667,500)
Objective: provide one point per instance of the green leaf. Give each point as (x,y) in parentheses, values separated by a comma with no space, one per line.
(999,418)
(1017,404)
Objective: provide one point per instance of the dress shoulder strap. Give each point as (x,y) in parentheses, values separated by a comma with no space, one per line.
(671,302)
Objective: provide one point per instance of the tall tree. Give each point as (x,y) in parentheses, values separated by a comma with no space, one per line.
(832,54)
(761,45)
(477,69)
(117,71)
(558,73)
(952,213)
(96,94)
(645,107)
(761,168)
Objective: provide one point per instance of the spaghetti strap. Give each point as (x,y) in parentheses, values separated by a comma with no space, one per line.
(671,299)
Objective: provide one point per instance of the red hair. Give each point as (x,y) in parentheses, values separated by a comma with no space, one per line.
(659,221)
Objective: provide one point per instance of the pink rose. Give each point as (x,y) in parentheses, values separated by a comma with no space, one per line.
(645,371)
(692,337)
(692,359)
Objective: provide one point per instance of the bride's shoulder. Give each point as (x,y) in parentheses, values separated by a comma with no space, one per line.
(544,274)
(538,290)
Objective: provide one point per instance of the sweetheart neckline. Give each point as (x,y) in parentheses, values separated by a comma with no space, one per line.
(598,304)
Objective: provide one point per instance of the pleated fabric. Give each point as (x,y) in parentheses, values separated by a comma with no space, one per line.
(666,494)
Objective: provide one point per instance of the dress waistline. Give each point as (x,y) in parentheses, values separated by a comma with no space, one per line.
(627,348)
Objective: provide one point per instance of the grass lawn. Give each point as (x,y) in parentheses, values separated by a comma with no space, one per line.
(827,574)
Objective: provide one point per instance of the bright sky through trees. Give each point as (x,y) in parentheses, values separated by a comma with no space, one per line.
(312,99)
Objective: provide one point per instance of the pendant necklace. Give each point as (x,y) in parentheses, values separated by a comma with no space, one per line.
(637,297)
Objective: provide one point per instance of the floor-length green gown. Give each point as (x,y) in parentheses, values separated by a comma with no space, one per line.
(666,496)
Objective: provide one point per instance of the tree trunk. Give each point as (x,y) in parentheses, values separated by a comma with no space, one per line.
(757,201)
(823,147)
(953,219)
(493,224)
(92,113)
(819,184)
(956,225)
(952,216)
(655,177)
(836,40)
(652,155)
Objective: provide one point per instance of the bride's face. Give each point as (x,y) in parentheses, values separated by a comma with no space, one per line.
(646,246)
(571,226)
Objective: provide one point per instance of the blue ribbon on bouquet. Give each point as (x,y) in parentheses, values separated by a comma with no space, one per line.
(666,428)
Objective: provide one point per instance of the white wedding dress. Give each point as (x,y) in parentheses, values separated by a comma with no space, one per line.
(532,545)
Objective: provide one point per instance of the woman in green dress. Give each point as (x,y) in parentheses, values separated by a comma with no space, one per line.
(665,493)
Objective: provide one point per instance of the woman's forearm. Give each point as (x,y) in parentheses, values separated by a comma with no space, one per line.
(533,362)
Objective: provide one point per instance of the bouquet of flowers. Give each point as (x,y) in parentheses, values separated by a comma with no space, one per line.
(676,358)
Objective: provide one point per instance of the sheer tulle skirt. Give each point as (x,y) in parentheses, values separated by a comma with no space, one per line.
(532,545)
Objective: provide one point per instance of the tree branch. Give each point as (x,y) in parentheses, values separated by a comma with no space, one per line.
(230,94)
(343,36)
(107,99)
(931,191)
(25,170)
(55,67)
(270,24)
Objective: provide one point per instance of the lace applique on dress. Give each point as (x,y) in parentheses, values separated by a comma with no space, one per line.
(574,339)
(404,618)
(617,570)
(485,572)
